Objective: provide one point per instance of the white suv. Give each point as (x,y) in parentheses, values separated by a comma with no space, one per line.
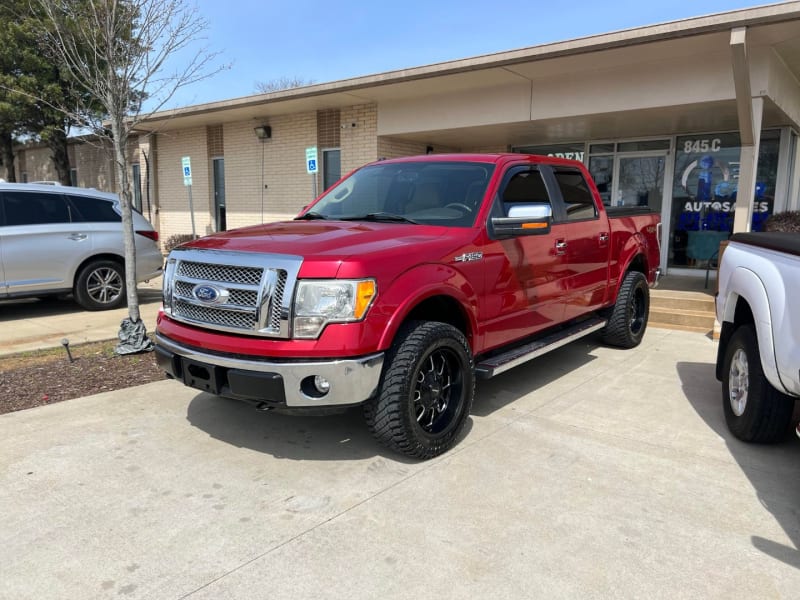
(60,239)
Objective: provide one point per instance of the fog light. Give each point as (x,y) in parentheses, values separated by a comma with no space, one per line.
(323,385)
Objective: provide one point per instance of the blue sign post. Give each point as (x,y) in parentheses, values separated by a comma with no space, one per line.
(312,167)
(186,169)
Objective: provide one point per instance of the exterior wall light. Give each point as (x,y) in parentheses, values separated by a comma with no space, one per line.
(263,132)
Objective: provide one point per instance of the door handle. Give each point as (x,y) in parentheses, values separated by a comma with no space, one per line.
(77,237)
(604,238)
(561,247)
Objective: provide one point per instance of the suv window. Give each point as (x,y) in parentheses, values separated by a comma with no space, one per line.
(34,208)
(94,210)
(578,199)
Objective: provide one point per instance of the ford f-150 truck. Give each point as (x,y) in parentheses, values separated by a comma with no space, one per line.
(758,359)
(404,282)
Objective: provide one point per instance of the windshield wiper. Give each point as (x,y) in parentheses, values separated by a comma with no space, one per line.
(310,216)
(380,217)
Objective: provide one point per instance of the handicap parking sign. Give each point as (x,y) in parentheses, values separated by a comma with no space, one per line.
(311,160)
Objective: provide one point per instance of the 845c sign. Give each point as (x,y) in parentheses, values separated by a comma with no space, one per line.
(698,146)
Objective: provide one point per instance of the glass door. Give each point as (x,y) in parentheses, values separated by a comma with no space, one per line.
(218,168)
(639,181)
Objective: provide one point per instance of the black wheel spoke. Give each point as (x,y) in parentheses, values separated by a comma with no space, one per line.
(426,390)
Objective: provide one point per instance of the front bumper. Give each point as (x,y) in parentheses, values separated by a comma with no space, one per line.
(281,384)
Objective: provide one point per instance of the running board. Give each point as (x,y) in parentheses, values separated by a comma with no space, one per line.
(508,360)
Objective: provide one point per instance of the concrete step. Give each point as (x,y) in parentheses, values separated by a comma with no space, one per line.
(667,300)
(700,319)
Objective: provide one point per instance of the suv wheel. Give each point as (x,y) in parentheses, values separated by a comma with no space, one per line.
(100,285)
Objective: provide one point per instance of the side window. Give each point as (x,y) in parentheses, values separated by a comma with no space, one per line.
(525,187)
(35,208)
(578,200)
(93,210)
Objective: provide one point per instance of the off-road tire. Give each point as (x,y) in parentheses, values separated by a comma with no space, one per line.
(628,319)
(429,364)
(765,414)
(100,285)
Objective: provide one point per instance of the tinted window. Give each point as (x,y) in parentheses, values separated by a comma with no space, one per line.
(96,210)
(577,195)
(35,208)
(526,187)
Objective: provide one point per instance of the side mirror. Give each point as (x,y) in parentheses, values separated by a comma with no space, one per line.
(524,219)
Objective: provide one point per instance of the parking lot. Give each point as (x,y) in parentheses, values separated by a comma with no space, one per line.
(591,472)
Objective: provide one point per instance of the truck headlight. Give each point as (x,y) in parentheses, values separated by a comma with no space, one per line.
(322,301)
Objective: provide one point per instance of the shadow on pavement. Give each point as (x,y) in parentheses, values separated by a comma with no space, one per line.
(345,436)
(28,308)
(773,470)
(504,389)
(341,436)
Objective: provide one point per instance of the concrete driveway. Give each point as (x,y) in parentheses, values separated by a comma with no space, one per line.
(589,473)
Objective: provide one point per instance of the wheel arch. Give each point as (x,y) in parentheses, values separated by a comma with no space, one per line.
(96,257)
(749,304)
(635,262)
(447,297)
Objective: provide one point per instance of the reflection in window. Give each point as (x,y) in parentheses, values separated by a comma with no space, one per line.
(578,198)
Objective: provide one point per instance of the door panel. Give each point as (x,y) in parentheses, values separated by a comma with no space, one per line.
(584,242)
(524,275)
(40,245)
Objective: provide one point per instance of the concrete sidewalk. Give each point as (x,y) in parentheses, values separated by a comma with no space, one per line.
(591,472)
(32,324)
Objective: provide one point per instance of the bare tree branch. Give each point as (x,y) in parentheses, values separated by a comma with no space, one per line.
(119,51)
(281,83)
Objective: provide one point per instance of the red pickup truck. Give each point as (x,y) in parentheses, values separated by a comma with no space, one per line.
(404,282)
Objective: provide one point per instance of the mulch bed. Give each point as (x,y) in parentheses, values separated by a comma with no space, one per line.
(42,377)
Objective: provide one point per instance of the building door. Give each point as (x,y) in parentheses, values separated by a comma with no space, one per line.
(639,181)
(218,169)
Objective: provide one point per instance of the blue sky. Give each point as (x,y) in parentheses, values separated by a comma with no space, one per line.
(328,41)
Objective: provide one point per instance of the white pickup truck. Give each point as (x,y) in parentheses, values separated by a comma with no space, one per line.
(758,360)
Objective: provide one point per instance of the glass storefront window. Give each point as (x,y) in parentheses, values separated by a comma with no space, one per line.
(643,146)
(602,148)
(704,192)
(602,170)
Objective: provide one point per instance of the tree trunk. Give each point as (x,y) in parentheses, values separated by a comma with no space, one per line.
(120,142)
(57,142)
(7,155)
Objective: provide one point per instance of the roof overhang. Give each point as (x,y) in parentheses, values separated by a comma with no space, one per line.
(776,25)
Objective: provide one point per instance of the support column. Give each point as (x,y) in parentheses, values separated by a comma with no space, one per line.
(745,196)
(750,115)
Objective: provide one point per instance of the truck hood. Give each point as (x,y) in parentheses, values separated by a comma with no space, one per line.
(332,243)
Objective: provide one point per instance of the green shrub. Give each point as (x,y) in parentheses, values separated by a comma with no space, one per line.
(176,240)
(786,221)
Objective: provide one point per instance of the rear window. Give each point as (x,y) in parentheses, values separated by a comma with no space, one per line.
(93,210)
(34,208)
(578,198)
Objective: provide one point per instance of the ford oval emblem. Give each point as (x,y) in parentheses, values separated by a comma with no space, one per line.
(206,293)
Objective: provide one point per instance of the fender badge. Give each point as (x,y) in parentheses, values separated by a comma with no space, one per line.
(469,257)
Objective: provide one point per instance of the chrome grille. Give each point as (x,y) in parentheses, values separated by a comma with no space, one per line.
(216,316)
(237,296)
(224,273)
(251,289)
(275,305)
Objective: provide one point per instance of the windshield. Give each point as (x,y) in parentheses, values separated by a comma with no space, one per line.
(433,193)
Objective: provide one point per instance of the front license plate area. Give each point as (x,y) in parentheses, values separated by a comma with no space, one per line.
(201,376)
